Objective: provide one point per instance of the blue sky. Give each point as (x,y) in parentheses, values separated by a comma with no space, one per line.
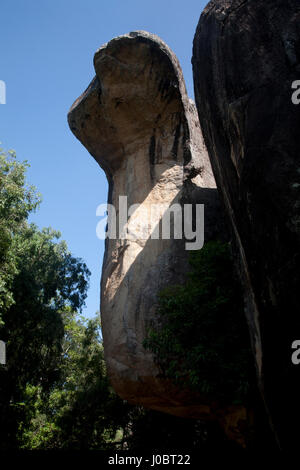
(46,51)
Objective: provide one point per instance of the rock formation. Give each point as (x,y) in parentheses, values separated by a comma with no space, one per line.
(246,58)
(136,120)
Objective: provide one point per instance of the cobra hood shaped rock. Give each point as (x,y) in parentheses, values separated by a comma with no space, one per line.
(136,120)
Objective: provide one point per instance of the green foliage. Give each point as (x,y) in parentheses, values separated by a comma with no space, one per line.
(39,279)
(17,200)
(48,279)
(201,339)
(54,391)
(81,411)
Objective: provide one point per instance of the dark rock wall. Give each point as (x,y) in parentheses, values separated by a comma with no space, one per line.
(245,59)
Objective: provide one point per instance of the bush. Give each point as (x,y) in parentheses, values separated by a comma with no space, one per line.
(200,339)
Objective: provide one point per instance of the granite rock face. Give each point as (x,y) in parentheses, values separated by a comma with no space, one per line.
(246,57)
(137,121)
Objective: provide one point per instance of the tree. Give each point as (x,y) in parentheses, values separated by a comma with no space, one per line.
(81,411)
(17,200)
(39,278)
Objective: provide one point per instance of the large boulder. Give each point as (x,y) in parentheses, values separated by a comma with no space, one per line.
(136,120)
(245,60)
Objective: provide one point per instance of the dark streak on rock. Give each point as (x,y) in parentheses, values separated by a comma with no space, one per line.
(186,150)
(176,140)
(152,147)
(99,92)
(193,172)
(164,86)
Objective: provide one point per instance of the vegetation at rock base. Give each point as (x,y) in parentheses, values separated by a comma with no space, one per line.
(200,339)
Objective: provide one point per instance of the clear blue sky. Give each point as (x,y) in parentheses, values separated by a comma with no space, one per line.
(46,51)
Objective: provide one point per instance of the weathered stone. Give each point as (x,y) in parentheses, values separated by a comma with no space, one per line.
(136,120)
(246,57)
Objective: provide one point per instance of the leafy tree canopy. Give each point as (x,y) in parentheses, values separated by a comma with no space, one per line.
(39,279)
(81,411)
(17,200)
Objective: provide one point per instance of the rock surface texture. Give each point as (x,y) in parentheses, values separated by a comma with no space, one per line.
(246,57)
(136,120)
